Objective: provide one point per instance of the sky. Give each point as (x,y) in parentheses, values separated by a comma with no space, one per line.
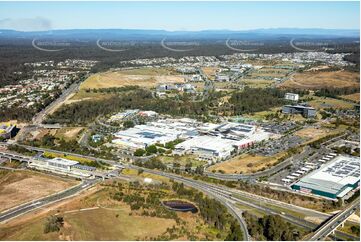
(190,16)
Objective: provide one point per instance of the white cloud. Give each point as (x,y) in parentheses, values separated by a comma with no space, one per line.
(26,24)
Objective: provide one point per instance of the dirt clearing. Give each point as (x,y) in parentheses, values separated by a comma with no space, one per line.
(244,164)
(322,79)
(144,77)
(24,186)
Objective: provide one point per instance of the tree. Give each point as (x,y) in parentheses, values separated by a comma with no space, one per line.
(139,152)
(53,224)
(161,150)
(188,167)
(355,229)
(235,232)
(199,170)
(128,124)
(152,149)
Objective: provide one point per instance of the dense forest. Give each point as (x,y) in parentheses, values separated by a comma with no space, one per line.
(16,51)
(212,211)
(256,99)
(333,92)
(247,101)
(271,228)
(85,111)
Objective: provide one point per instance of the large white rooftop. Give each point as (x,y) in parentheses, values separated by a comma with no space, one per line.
(63,161)
(334,175)
(206,142)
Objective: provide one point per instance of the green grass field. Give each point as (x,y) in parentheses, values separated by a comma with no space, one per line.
(325,102)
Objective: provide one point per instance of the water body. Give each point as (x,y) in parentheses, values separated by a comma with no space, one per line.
(180,206)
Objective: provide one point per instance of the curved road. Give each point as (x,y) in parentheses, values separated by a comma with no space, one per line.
(30,206)
(225,195)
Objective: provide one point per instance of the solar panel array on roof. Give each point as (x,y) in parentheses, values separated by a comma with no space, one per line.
(331,180)
(150,135)
(342,168)
(86,168)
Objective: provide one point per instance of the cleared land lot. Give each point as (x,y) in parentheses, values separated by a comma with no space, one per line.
(313,133)
(245,163)
(325,102)
(23,186)
(145,77)
(97,224)
(68,133)
(210,71)
(257,83)
(95,216)
(83,95)
(317,80)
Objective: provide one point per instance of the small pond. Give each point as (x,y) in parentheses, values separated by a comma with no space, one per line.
(180,206)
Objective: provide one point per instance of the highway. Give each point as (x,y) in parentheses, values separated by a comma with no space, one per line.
(270,171)
(32,148)
(57,197)
(30,206)
(305,211)
(231,197)
(39,117)
(226,195)
(227,202)
(230,177)
(332,224)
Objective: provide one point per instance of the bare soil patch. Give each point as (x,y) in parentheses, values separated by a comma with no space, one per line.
(24,186)
(140,77)
(321,79)
(244,164)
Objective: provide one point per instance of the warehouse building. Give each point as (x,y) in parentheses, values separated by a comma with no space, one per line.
(333,180)
(209,141)
(292,96)
(236,128)
(62,166)
(210,148)
(161,131)
(305,111)
(216,147)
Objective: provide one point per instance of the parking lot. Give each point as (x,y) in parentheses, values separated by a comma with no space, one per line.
(276,146)
(278,128)
(302,164)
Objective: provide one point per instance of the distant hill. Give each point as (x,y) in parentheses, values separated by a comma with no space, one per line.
(155,35)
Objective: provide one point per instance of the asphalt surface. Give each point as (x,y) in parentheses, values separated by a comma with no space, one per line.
(271,171)
(225,196)
(30,206)
(39,117)
(229,199)
(211,192)
(332,224)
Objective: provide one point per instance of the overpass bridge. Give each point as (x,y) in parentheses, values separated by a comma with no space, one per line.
(12,156)
(334,222)
(95,174)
